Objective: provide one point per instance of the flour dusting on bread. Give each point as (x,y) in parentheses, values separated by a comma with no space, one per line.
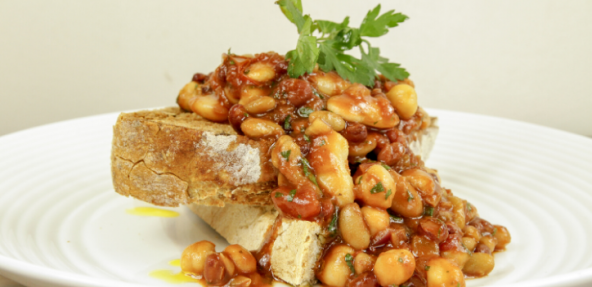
(241,161)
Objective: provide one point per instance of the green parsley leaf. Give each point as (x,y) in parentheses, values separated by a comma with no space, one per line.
(386,166)
(409,196)
(305,112)
(278,194)
(307,173)
(328,27)
(395,218)
(287,125)
(376,27)
(332,227)
(291,195)
(360,179)
(388,193)
(306,138)
(304,57)
(429,211)
(246,115)
(293,11)
(286,154)
(427,268)
(400,259)
(494,231)
(349,259)
(377,188)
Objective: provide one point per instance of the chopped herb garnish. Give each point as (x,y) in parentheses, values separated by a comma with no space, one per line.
(299,216)
(328,49)
(400,259)
(427,267)
(305,111)
(246,115)
(278,194)
(386,166)
(306,138)
(377,188)
(291,195)
(494,231)
(286,154)
(360,179)
(323,142)
(307,173)
(469,207)
(317,94)
(231,62)
(375,122)
(287,124)
(349,259)
(395,218)
(332,228)
(429,211)
(388,193)
(409,196)
(247,71)
(302,129)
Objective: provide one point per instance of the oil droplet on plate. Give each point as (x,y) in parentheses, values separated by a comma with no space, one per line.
(176,262)
(176,278)
(151,211)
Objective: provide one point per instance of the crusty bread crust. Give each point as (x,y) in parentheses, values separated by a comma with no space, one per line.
(168,157)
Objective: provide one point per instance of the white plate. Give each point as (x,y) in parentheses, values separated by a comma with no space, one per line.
(61,223)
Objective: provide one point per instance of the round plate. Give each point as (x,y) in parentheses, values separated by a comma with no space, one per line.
(61,223)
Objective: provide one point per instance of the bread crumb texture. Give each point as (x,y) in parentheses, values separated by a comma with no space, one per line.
(169,157)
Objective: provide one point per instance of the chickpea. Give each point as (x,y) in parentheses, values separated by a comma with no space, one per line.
(330,84)
(442,272)
(332,119)
(218,269)
(210,108)
(193,258)
(421,246)
(335,270)
(502,235)
(376,219)
(365,147)
(352,226)
(404,99)
(479,265)
(260,72)
(258,128)
(187,95)
(376,187)
(458,210)
(407,201)
(329,149)
(243,259)
(363,262)
(394,267)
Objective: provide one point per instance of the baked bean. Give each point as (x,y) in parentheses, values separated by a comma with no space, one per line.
(376,219)
(365,147)
(472,212)
(407,201)
(243,259)
(392,153)
(459,257)
(218,269)
(422,246)
(240,281)
(394,267)
(260,72)
(187,95)
(356,105)
(442,272)
(261,105)
(297,92)
(236,116)
(490,241)
(335,270)
(199,78)
(479,265)
(355,132)
(482,248)
(376,187)
(330,84)
(299,203)
(193,258)
(232,93)
(471,231)
(328,157)
(453,249)
(258,128)
(404,99)
(433,228)
(363,262)
(458,211)
(352,226)
(210,108)
(366,279)
(469,243)
(399,237)
(420,180)
(287,158)
(332,119)
(482,225)
(502,235)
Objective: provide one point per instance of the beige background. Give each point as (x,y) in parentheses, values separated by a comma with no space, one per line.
(526,60)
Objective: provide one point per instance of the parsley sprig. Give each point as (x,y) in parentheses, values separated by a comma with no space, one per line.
(333,39)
